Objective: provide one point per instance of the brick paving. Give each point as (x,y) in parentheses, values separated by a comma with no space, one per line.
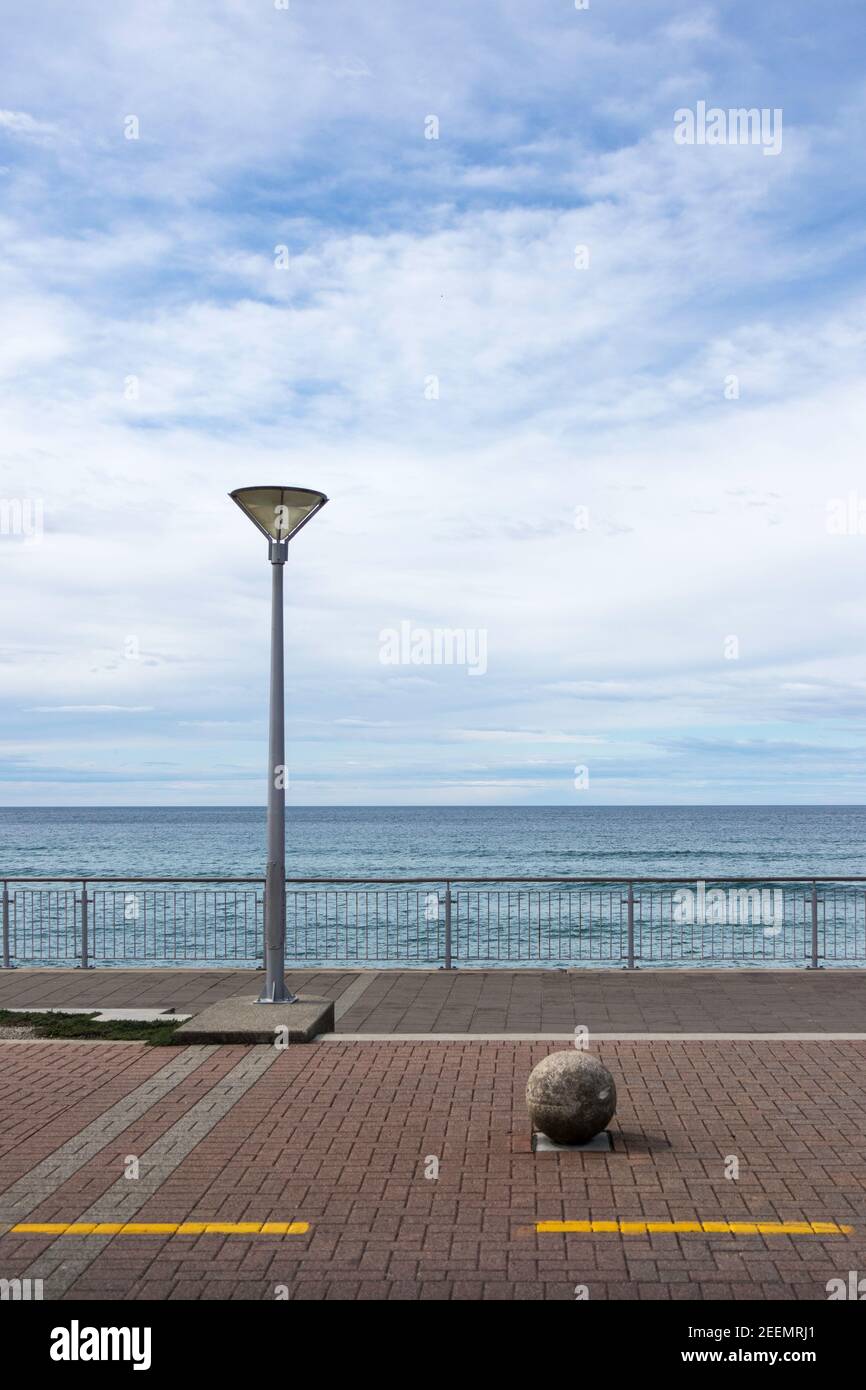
(493,1001)
(39,1114)
(610,1001)
(339,1134)
(187,991)
(44,1165)
(112,1196)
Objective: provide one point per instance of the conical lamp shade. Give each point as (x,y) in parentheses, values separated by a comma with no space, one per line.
(278,511)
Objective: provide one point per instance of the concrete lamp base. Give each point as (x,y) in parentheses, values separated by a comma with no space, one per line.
(245,1021)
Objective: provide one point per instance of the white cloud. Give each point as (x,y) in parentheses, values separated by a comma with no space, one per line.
(23,124)
(90,709)
(155,358)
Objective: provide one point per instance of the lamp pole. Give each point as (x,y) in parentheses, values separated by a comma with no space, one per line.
(279,513)
(275,991)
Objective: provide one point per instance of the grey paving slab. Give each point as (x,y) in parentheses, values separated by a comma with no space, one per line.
(246,1021)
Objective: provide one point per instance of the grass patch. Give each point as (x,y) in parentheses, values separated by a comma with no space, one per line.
(88,1026)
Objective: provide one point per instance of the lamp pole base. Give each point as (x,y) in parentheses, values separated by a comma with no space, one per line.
(239,1021)
(277,996)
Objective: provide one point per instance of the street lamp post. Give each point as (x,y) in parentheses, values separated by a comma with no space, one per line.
(279,513)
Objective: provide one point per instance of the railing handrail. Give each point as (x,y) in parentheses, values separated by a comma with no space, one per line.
(121,878)
(450,878)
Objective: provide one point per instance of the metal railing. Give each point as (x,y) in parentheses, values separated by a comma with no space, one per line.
(84,922)
(556,922)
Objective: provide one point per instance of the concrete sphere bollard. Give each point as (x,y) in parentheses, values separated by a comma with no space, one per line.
(570,1097)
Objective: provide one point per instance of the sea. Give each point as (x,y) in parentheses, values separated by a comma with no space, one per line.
(687,842)
(701,916)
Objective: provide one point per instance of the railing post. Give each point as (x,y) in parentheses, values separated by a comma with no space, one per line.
(85,958)
(448,965)
(260,903)
(630,964)
(7,958)
(814,965)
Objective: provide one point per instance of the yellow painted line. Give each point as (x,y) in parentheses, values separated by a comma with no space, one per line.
(677,1228)
(163,1228)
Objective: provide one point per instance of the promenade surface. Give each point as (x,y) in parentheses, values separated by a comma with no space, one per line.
(491,1001)
(403,1168)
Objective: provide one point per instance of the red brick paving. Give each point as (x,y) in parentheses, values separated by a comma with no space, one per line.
(43,1107)
(338,1134)
(83,1187)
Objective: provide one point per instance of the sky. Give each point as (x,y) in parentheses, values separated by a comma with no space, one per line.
(586,398)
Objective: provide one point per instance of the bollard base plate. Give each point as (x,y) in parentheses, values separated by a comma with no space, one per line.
(599,1144)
